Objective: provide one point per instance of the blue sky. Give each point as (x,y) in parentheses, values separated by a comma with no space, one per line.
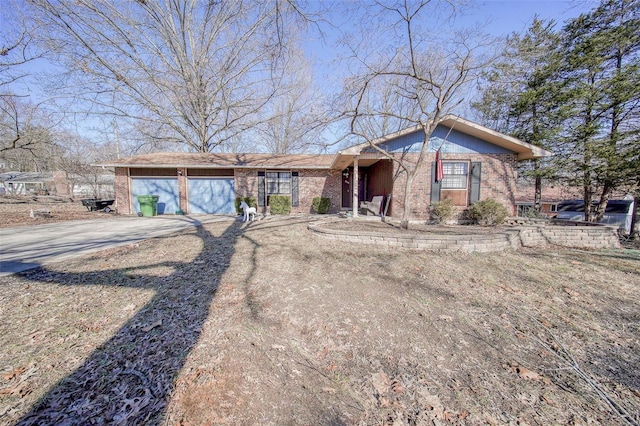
(508,16)
(501,17)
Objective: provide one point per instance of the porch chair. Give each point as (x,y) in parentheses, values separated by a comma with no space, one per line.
(372,207)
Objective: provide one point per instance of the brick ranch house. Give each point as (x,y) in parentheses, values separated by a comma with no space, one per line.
(478,163)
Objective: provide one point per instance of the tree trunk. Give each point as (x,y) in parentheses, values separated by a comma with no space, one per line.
(604,200)
(406,213)
(587,203)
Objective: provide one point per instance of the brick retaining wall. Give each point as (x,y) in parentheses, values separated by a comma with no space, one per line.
(426,241)
(592,237)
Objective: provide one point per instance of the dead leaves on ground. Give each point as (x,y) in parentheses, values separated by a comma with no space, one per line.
(14,382)
(419,405)
(527,374)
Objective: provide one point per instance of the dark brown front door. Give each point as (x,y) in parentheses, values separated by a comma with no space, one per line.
(347,198)
(347,185)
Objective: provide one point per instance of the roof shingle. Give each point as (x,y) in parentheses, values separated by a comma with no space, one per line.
(215,161)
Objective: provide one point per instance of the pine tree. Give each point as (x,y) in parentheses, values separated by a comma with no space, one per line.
(520,95)
(602,76)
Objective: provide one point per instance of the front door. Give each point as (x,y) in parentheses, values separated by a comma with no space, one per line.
(347,187)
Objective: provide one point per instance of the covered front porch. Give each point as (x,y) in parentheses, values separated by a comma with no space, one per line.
(365,176)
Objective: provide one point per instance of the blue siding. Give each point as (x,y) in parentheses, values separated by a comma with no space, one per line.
(165,188)
(451,141)
(211,196)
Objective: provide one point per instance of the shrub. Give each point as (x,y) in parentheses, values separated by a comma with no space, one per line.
(443,211)
(487,212)
(280,204)
(251,202)
(321,205)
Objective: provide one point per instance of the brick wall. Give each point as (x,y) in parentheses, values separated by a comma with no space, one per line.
(311,183)
(498,181)
(590,237)
(246,184)
(593,237)
(319,183)
(183,184)
(123,197)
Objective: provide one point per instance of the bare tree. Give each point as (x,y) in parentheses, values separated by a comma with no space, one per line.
(25,135)
(297,115)
(73,160)
(411,77)
(22,134)
(16,44)
(193,72)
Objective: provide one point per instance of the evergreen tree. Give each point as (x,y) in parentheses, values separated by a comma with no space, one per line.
(602,76)
(519,97)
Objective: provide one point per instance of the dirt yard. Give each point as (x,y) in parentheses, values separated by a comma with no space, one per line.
(266,323)
(16,211)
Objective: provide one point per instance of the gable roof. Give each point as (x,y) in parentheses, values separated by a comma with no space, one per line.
(525,151)
(225,161)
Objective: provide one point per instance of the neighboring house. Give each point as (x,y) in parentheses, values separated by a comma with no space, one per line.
(25,183)
(479,163)
(90,185)
(552,196)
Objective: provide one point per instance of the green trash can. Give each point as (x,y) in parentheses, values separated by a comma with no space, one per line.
(148,205)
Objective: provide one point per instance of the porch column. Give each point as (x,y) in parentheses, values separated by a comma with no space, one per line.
(182,190)
(355,204)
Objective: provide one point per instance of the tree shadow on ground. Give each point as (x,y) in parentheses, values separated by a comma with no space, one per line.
(129,378)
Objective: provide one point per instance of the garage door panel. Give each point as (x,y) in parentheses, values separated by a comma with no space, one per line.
(165,188)
(211,196)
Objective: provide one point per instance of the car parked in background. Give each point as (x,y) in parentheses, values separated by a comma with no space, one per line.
(618,212)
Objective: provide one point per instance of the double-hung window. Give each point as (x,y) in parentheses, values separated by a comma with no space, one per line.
(278,183)
(456,175)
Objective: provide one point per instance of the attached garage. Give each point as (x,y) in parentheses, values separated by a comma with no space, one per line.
(211,195)
(165,188)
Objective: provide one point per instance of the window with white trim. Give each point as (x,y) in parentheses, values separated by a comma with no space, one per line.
(456,175)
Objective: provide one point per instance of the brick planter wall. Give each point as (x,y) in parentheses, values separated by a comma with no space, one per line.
(482,243)
(590,237)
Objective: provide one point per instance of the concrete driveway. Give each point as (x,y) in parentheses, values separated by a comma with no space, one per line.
(28,247)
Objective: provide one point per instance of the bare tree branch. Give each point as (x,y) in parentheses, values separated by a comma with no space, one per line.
(418,82)
(199,73)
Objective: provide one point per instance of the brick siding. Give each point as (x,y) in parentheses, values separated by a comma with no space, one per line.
(123,197)
(498,181)
(311,183)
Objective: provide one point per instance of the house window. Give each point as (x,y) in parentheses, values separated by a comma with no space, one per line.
(278,183)
(455,175)
(525,210)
